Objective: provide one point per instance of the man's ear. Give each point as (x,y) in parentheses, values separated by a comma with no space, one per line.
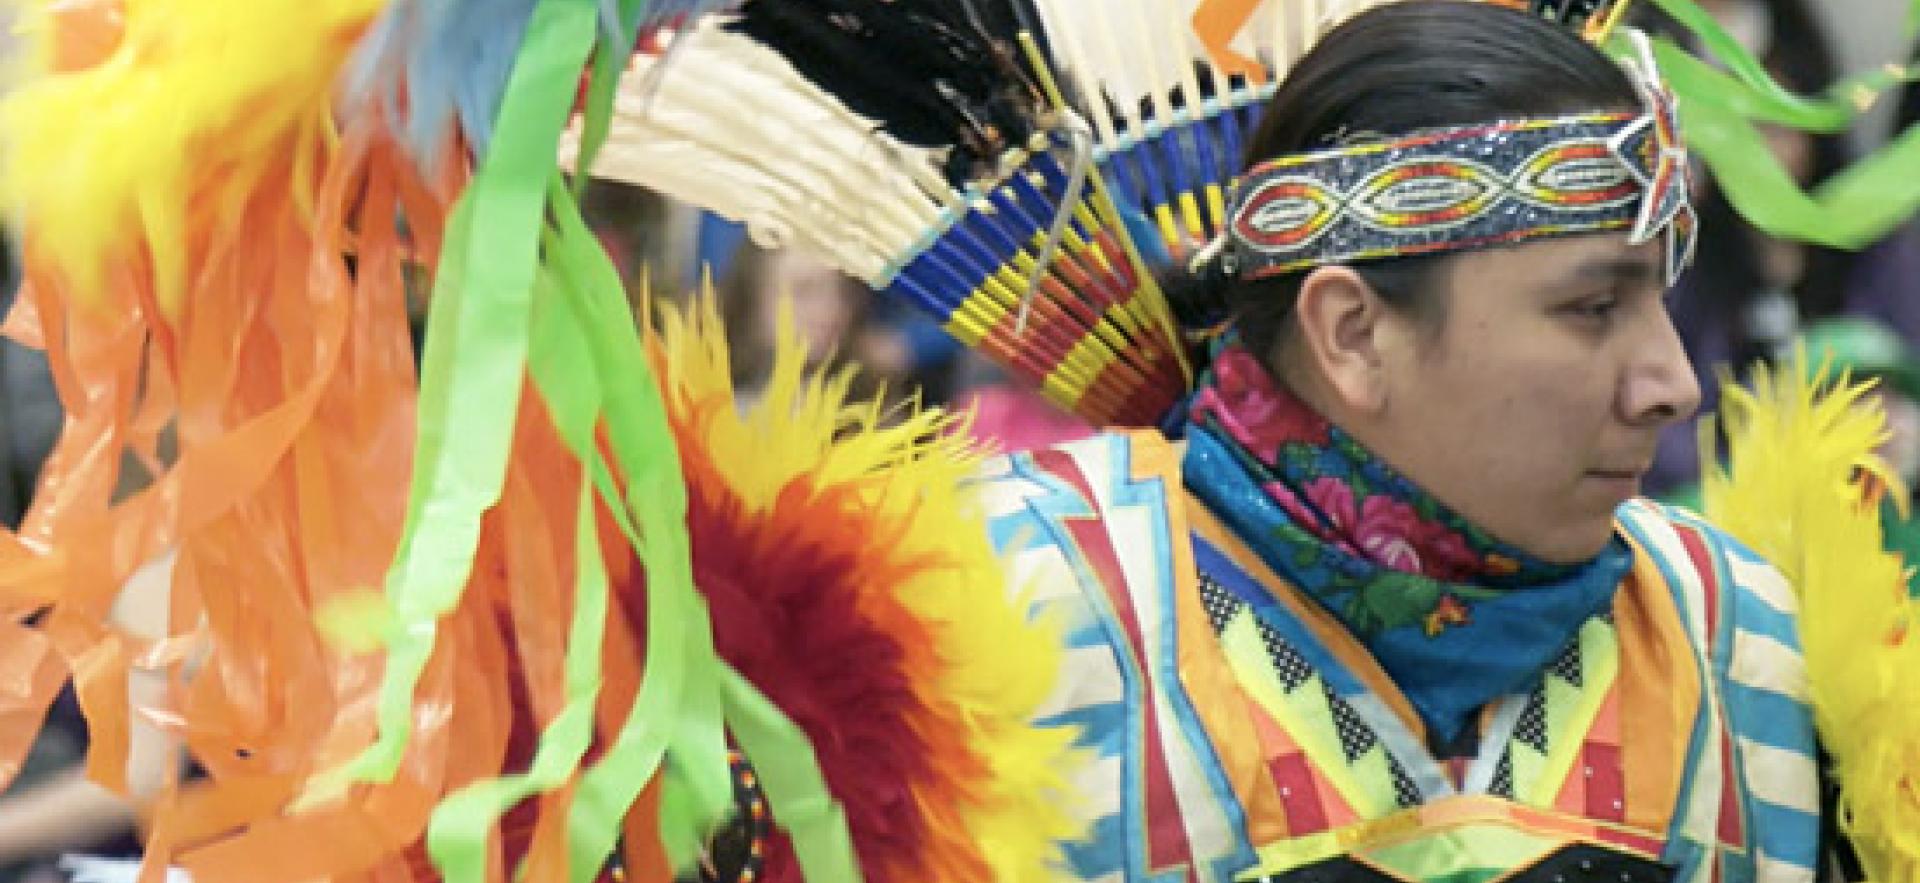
(1339,318)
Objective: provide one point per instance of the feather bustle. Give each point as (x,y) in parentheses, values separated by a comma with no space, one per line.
(857,590)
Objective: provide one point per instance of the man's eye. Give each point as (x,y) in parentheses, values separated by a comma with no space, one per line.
(1596,308)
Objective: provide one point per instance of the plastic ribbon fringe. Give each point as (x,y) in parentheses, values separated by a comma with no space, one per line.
(145,127)
(1801,486)
(477,354)
(240,392)
(232,431)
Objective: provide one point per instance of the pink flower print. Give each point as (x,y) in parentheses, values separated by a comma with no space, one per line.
(1297,512)
(1334,499)
(1390,533)
(1258,413)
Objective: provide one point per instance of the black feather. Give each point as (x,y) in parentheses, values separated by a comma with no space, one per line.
(933,73)
(1572,13)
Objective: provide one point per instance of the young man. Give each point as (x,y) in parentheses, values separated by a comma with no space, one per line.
(1391,611)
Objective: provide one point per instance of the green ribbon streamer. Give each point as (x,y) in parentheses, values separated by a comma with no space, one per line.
(578,342)
(676,719)
(1852,210)
(457,835)
(1756,92)
(609,61)
(473,365)
(677,711)
(1718,110)
(1699,81)
(796,790)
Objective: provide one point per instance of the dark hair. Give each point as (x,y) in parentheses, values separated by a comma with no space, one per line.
(1391,71)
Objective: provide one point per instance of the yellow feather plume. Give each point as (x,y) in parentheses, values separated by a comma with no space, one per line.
(152,122)
(1801,487)
(992,662)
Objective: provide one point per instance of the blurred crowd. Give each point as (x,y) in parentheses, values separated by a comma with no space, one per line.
(1748,298)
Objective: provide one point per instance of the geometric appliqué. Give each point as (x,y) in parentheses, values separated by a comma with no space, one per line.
(1287,213)
(1501,785)
(1288,665)
(1531,729)
(1425,194)
(1356,738)
(1405,793)
(1221,605)
(1534,728)
(1567,666)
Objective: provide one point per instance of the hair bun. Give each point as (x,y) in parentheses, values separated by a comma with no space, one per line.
(1198,291)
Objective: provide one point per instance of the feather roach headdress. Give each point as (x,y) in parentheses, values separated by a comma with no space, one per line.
(1023,194)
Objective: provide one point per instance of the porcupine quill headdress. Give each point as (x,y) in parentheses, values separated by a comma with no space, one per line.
(544,648)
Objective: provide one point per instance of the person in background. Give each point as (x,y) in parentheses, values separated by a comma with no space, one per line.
(832,312)
(1749,294)
(54,809)
(632,225)
(30,412)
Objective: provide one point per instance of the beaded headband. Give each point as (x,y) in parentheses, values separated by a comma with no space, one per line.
(1471,187)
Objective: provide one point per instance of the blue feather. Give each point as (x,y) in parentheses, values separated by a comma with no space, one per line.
(450,59)
(667,11)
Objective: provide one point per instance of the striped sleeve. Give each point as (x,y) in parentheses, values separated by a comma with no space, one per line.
(1765,689)
(1757,757)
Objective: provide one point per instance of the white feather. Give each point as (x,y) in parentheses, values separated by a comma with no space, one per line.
(731,127)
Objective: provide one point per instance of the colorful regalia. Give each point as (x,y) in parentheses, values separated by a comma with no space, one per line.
(553,608)
(1244,730)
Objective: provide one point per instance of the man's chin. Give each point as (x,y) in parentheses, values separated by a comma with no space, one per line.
(1577,545)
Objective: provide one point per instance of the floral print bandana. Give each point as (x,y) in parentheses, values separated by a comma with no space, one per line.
(1454,616)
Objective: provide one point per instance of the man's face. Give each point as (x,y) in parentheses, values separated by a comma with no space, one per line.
(1533,407)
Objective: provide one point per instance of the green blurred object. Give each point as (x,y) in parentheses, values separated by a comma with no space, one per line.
(1721,107)
(1868,349)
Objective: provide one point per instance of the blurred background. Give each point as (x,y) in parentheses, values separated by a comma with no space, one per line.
(1748,298)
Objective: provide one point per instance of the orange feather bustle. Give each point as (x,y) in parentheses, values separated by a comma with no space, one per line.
(851,582)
